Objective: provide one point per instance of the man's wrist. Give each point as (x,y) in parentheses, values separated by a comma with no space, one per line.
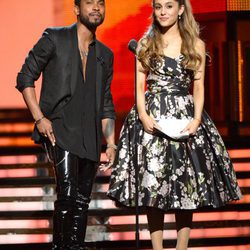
(36,122)
(111,145)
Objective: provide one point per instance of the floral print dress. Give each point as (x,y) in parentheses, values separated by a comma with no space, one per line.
(186,174)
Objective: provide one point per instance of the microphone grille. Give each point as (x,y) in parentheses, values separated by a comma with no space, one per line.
(132,45)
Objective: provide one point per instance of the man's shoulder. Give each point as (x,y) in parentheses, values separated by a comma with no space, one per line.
(104,47)
(60,29)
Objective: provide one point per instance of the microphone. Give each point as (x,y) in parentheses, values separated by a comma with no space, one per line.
(132,46)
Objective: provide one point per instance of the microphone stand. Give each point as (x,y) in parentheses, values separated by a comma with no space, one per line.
(137,228)
(132,47)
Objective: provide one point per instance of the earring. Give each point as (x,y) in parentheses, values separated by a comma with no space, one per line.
(179,17)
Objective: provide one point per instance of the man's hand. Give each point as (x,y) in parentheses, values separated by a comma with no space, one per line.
(110,153)
(45,128)
(108,130)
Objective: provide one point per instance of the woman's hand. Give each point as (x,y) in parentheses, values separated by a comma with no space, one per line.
(149,124)
(192,127)
(45,129)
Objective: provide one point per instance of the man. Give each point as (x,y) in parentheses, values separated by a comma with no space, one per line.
(75,108)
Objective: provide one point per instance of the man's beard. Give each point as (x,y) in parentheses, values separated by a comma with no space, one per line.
(90,25)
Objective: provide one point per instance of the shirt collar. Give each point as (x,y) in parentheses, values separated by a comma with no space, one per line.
(93,41)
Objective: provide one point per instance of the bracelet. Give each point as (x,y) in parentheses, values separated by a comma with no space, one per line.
(38,120)
(199,120)
(112,146)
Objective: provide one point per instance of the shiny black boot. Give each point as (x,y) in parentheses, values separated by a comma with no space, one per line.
(74,178)
(69,229)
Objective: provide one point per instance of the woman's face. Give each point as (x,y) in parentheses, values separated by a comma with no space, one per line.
(166,12)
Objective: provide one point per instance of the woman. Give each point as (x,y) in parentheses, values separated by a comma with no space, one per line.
(173,174)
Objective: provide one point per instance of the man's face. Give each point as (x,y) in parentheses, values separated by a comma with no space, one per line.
(91,13)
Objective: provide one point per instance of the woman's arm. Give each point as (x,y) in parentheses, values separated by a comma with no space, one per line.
(147,121)
(198,90)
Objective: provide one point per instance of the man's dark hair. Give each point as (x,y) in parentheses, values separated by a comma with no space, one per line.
(77,2)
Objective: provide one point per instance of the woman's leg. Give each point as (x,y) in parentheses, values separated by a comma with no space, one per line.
(155,218)
(184,220)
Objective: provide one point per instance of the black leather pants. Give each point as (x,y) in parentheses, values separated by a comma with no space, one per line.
(74,179)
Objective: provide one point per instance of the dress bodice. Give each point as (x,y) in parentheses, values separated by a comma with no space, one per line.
(170,77)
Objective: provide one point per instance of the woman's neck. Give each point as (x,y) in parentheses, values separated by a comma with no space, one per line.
(170,33)
(171,41)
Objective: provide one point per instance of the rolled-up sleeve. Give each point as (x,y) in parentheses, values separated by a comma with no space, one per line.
(108,109)
(35,62)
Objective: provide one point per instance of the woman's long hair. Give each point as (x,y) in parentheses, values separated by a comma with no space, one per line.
(151,45)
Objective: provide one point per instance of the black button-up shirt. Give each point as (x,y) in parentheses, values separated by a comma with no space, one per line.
(75,129)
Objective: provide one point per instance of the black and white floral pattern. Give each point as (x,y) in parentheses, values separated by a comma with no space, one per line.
(185,174)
